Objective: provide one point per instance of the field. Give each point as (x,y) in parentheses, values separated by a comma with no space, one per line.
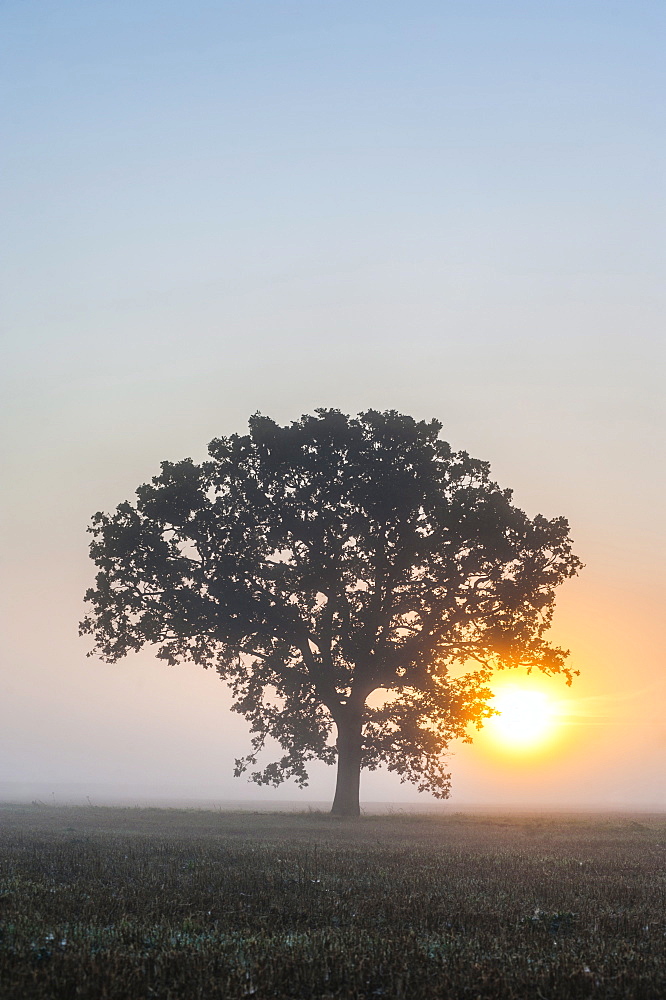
(106,903)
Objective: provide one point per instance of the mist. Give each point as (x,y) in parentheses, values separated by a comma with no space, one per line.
(440,211)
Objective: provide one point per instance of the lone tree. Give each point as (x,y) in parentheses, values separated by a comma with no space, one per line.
(317,563)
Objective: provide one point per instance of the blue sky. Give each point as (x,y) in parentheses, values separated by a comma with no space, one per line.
(456,210)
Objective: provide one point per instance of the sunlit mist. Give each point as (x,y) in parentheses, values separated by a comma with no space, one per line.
(451,210)
(526,718)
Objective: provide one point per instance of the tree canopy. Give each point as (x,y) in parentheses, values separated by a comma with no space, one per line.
(314,564)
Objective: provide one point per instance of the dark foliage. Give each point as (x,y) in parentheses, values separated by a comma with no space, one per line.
(317,563)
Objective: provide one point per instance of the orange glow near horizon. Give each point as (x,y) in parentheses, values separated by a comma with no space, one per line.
(527,719)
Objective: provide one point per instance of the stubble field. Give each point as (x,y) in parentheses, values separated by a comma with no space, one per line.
(105,903)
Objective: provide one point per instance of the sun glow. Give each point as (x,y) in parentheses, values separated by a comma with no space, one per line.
(526,719)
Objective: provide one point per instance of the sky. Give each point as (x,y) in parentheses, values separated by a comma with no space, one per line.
(212,209)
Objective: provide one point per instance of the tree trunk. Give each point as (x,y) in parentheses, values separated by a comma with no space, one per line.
(346,801)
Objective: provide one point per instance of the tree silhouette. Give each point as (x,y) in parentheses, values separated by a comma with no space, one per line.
(317,563)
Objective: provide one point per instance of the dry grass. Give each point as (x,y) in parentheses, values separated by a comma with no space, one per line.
(104,904)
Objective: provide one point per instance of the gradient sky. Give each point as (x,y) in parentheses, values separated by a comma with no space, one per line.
(450,209)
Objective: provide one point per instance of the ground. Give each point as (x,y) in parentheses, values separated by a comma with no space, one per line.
(127,904)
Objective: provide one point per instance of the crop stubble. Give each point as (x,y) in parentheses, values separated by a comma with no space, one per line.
(108,904)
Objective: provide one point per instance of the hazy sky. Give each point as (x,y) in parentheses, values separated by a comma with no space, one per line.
(450,209)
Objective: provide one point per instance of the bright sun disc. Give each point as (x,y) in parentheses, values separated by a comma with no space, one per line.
(526,717)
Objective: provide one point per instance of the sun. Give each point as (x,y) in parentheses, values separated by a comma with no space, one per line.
(526,719)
